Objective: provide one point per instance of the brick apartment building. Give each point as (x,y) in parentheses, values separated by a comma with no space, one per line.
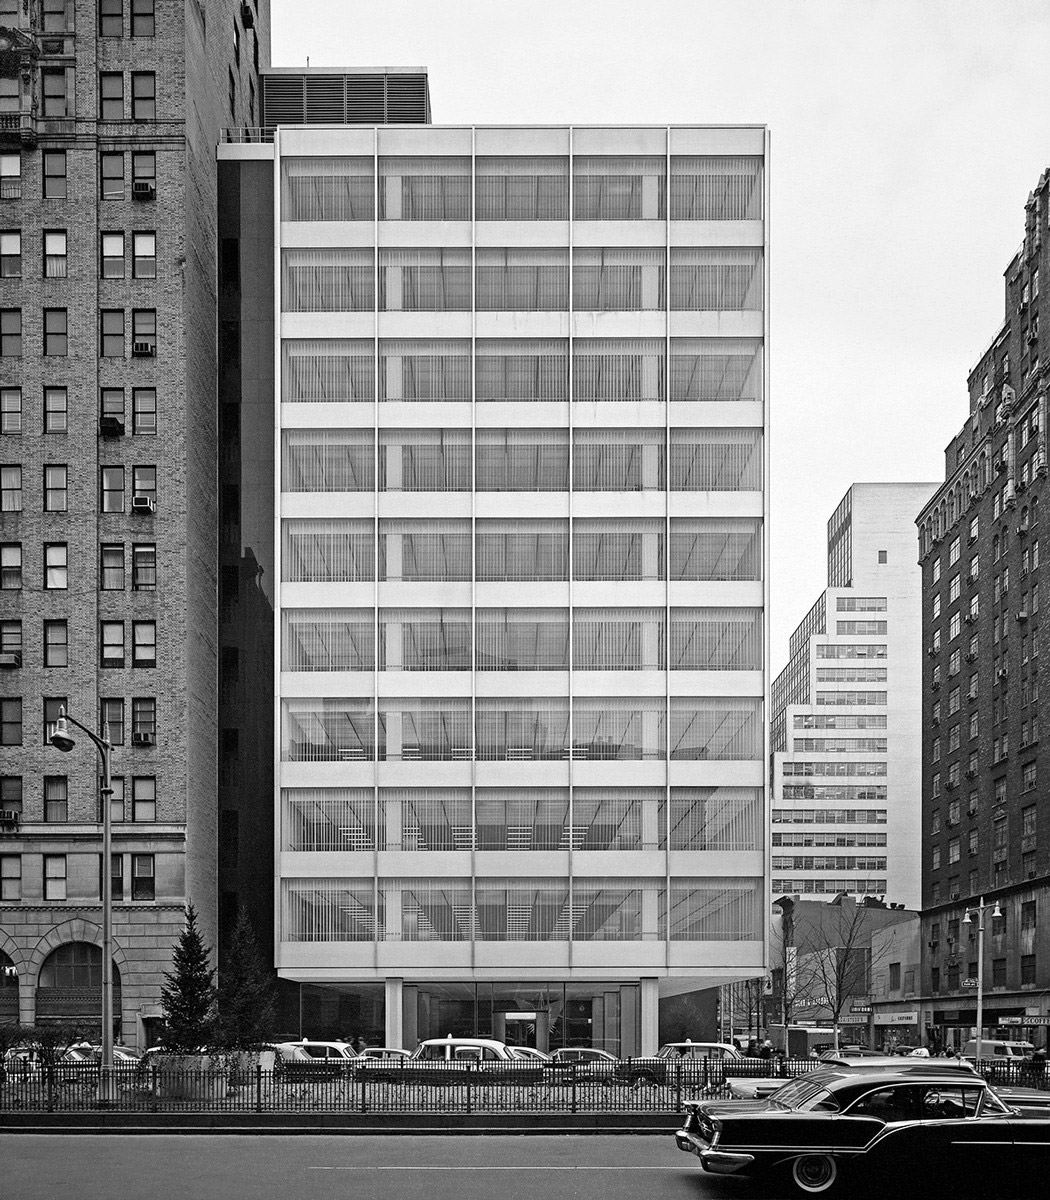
(110,111)
(986,827)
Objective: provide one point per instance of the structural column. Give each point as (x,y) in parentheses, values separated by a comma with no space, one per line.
(650,1016)
(394,1018)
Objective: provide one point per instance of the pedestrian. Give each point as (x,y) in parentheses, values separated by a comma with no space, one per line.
(766,1049)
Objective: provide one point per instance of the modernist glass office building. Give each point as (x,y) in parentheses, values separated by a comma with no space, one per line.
(519,579)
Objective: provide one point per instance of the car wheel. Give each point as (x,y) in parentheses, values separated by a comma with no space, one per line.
(815,1174)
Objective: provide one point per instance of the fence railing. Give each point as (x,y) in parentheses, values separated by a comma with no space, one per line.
(644,1085)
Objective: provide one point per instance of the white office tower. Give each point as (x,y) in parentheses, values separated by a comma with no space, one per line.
(847,712)
(521,563)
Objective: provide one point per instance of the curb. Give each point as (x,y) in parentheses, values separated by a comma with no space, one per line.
(294,1124)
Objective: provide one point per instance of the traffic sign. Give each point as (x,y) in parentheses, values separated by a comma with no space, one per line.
(970,982)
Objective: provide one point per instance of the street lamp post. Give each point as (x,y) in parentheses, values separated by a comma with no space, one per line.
(62,740)
(980,910)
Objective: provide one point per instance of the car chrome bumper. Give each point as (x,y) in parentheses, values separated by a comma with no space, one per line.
(718,1162)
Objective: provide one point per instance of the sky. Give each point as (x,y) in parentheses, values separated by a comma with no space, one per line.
(906,137)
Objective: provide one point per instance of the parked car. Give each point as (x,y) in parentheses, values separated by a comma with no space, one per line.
(758,1088)
(583,1063)
(381,1063)
(825,1130)
(308,1061)
(693,1062)
(457,1059)
(1027,1101)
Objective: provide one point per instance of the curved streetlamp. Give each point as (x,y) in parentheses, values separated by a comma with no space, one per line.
(980,910)
(63,740)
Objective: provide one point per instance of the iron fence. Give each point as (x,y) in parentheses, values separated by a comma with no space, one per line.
(411,1086)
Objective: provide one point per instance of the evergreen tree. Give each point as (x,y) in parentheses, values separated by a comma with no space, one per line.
(247,997)
(188,999)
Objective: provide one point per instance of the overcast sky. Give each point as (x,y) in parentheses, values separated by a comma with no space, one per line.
(906,136)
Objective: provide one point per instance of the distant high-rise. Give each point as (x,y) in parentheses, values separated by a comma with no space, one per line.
(110,111)
(845,738)
(518,581)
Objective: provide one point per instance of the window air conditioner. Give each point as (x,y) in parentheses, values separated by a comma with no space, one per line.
(1022,616)
(10,817)
(111,426)
(142,349)
(142,739)
(11,659)
(142,189)
(143,504)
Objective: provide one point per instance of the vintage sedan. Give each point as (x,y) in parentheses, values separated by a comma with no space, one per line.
(834,1129)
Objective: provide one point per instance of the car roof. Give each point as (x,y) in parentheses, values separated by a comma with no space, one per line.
(892,1062)
(832,1079)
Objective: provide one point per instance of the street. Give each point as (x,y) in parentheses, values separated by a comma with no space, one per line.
(190,1167)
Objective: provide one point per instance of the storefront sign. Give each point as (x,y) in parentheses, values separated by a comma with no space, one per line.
(897,1018)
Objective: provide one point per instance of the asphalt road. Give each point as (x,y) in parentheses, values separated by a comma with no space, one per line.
(355,1167)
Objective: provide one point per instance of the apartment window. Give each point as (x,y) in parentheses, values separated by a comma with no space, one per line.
(144,644)
(10,637)
(56,644)
(144,166)
(56,410)
(144,716)
(112,254)
(11,254)
(54,877)
(11,567)
(232,91)
(112,333)
(143,96)
(56,487)
(113,489)
(144,567)
(116,876)
(111,404)
(56,258)
(935,861)
(11,793)
(54,93)
(143,18)
(11,173)
(143,884)
(998,972)
(53,709)
(111,171)
(236,42)
(110,18)
(144,410)
(116,799)
(895,977)
(10,333)
(144,798)
(56,568)
(1028,820)
(111,713)
(10,94)
(1027,970)
(11,721)
(11,488)
(144,256)
(10,410)
(111,644)
(56,798)
(56,332)
(10,877)
(145,482)
(54,17)
(144,328)
(111,567)
(111,96)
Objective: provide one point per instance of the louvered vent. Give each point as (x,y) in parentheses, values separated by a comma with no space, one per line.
(314,98)
(366,100)
(324,100)
(407,99)
(283,100)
